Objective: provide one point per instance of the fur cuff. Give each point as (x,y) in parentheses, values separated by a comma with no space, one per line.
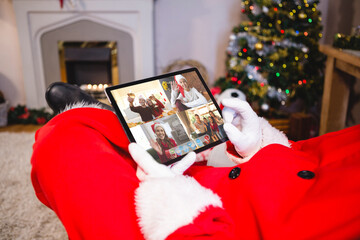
(82,104)
(269,135)
(165,204)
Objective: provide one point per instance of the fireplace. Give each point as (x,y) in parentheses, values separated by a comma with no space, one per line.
(83,63)
(90,65)
(101,42)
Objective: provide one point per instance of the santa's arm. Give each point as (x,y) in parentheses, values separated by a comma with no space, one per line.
(172,206)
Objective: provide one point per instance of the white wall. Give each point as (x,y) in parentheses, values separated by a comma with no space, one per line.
(11,79)
(197,30)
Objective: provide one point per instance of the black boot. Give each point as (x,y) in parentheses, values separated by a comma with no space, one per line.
(59,95)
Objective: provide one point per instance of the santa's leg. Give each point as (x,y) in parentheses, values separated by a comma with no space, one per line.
(82,170)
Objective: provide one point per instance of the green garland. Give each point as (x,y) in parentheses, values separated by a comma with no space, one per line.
(347,42)
(22,115)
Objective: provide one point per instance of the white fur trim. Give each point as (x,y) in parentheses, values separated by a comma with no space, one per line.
(82,104)
(269,135)
(165,204)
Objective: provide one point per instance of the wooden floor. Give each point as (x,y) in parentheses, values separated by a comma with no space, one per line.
(20,128)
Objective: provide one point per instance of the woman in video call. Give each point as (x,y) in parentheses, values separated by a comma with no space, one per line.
(219,122)
(206,122)
(163,142)
(157,109)
(200,125)
(188,97)
(214,129)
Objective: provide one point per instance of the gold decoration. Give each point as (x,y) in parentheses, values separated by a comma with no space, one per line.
(259,46)
(165,86)
(302,15)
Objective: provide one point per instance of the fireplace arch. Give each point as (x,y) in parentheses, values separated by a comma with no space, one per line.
(131,22)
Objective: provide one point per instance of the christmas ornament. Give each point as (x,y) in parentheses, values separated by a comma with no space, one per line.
(302,15)
(259,46)
(165,86)
(265,107)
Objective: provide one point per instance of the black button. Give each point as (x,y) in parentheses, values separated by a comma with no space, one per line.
(305,174)
(234,173)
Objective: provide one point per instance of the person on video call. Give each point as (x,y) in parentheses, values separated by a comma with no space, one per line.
(145,112)
(219,122)
(182,96)
(163,142)
(200,125)
(85,169)
(214,129)
(157,108)
(207,123)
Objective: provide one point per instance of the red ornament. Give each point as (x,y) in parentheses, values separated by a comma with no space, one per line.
(243,10)
(244,50)
(304,81)
(275,9)
(215,90)
(239,82)
(234,79)
(282,31)
(262,84)
(40,120)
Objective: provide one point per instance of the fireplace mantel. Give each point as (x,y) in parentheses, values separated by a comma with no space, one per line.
(38,17)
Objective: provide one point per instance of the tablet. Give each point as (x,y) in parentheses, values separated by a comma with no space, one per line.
(169,115)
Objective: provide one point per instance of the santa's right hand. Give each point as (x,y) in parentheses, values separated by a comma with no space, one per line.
(148,167)
(242,126)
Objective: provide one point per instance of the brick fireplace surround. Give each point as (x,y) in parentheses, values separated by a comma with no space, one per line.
(43,23)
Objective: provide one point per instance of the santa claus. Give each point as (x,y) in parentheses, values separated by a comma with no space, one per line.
(103,187)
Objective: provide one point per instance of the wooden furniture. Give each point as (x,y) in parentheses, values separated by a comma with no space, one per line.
(341,66)
(280,124)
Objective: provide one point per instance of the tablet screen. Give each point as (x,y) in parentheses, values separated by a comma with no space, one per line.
(169,115)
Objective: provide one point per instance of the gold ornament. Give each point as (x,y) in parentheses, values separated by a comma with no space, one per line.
(165,86)
(302,15)
(259,46)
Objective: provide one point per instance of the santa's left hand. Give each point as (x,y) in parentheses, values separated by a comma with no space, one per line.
(149,168)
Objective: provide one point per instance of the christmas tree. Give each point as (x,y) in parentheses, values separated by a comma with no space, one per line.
(274,58)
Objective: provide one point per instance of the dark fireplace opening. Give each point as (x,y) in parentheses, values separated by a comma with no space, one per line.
(90,65)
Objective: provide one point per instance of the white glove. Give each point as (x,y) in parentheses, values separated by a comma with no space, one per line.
(248,132)
(166,200)
(242,126)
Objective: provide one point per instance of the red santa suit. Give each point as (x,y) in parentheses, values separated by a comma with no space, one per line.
(82,169)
